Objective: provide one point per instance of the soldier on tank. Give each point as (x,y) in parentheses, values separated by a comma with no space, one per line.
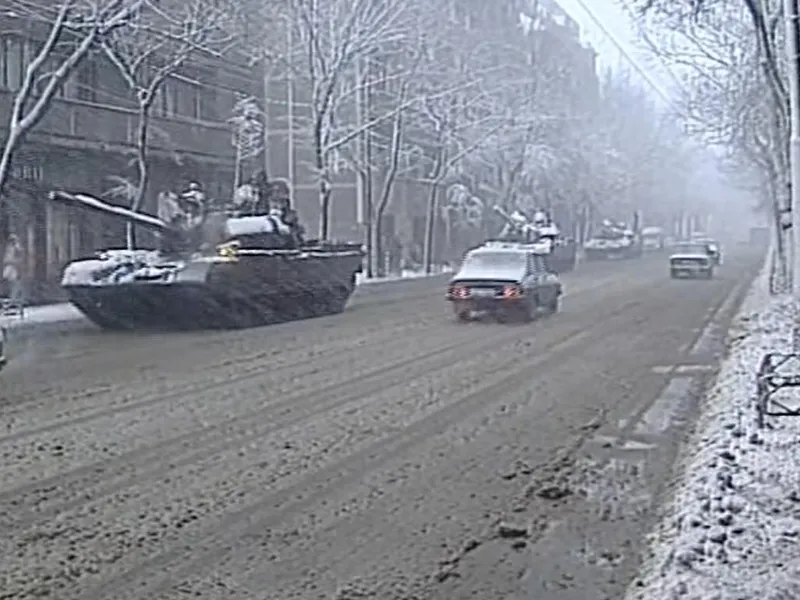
(281,203)
(261,185)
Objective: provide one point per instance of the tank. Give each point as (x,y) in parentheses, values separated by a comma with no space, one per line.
(242,265)
(614,241)
(520,229)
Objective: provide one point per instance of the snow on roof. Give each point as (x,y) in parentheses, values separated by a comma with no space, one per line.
(732,529)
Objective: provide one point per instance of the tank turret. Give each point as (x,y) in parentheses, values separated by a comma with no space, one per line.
(613,240)
(517,227)
(186,226)
(540,229)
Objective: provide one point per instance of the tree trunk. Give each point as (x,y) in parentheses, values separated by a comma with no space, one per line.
(430,217)
(427,254)
(141,165)
(365,183)
(324,208)
(388,182)
(377,246)
(5,159)
(324,183)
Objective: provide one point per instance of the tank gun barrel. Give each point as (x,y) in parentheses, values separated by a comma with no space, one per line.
(506,217)
(86,202)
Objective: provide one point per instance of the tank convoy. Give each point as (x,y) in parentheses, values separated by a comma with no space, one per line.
(243,264)
(613,241)
(560,252)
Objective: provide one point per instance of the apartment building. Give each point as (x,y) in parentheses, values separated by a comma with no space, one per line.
(86,142)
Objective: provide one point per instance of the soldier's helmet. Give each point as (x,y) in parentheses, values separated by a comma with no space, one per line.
(259,179)
(279,190)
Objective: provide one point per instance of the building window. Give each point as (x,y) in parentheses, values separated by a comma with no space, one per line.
(188,99)
(165,102)
(11,57)
(208,104)
(86,81)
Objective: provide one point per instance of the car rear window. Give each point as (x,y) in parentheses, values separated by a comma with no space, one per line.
(500,260)
(691,249)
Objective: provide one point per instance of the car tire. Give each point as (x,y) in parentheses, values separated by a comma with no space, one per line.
(554,305)
(673,275)
(710,274)
(462,316)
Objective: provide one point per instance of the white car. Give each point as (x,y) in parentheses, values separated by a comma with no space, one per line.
(505,280)
(692,259)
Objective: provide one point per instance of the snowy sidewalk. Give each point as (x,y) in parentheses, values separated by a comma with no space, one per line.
(57,314)
(731,531)
(40,315)
(406,274)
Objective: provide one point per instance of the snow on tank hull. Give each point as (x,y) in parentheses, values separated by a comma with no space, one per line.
(256,287)
(597,254)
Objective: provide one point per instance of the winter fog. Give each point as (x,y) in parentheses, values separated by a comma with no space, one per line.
(393,299)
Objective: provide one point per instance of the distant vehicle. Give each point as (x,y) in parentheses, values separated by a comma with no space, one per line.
(3,357)
(653,239)
(613,241)
(714,248)
(541,228)
(692,259)
(506,280)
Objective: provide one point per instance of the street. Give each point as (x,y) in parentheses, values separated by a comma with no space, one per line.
(385,453)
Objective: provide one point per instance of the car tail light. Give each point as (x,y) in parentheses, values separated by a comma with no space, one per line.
(459,291)
(512,291)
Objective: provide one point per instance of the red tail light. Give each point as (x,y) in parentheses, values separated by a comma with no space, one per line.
(512,291)
(459,291)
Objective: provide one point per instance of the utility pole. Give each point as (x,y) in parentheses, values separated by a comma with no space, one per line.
(266,91)
(290,104)
(790,9)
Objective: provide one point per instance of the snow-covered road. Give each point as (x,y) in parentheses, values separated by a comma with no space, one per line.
(64,313)
(731,530)
(385,453)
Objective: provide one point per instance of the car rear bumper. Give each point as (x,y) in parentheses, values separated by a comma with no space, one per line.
(690,270)
(483,304)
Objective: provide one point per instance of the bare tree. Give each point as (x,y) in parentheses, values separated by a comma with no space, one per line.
(156,45)
(334,35)
(248,133)
(729,54)
(75,28)
(493,108)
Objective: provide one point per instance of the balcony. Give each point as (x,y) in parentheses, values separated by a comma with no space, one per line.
(75,124)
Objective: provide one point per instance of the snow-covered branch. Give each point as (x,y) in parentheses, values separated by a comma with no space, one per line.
(155,46)
(75,28)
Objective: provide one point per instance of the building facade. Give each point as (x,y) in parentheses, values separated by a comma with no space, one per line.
(86,142)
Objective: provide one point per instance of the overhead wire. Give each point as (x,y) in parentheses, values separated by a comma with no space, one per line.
(637,21)
(631,61)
